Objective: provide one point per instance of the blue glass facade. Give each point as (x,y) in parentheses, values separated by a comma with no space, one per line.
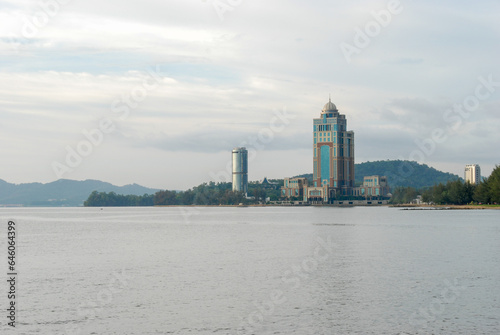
(333,156)
(325,164)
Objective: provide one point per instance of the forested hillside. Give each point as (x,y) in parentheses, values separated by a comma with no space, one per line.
(401,173)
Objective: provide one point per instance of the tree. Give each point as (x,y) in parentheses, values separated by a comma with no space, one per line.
(440,194)
(427,196)
(186,198)
(409,195)
(459,193)
(165,198)
(259,194)
(482,192)
(494,185)
(469,190)
(97,199)
(403,195)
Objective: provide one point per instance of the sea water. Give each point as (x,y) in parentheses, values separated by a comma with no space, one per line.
(254,270)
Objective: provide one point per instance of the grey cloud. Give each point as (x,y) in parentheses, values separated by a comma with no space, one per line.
(222,140)
(230,73)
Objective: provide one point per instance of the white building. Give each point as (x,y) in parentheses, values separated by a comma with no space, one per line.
(240,170)
(473,174)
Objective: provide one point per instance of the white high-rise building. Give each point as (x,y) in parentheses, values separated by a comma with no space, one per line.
(240,170)
(473,174)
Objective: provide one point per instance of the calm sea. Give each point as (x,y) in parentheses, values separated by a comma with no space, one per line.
(270,270)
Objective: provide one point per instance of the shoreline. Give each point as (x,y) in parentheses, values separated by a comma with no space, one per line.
(400,206)
(444,207)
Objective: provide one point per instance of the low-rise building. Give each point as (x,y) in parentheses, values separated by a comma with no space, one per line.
(373,186)
(267,184)
(317,195)
(293,187)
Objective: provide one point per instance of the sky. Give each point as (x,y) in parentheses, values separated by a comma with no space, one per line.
(158,92)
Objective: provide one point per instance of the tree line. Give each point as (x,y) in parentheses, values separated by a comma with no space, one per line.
(205,194)
(113,199)
(454,192)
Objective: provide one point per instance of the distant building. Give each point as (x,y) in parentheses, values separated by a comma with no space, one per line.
(267,184)
(333,167)
(293,187)
(373,186)
(333,157)
(240,170)
(473,174)
(417,200)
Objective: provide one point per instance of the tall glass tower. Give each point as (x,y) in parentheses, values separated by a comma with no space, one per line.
(333,162)
(240,170)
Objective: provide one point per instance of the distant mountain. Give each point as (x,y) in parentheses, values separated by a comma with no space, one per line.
(400,173)
(63,192)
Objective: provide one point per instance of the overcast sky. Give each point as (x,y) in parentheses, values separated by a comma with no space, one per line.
(172,86)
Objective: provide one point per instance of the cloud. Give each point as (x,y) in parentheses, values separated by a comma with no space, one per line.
(223,79)
(222,140)
(415,114)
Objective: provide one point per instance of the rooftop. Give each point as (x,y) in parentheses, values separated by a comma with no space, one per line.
(330,106)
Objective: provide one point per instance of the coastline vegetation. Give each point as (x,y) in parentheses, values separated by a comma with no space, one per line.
(204,194)
(454,192)
(399,173)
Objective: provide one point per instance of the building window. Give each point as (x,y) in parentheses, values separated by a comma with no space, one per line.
(325,162)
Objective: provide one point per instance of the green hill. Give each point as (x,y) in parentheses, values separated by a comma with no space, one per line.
(400,173)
